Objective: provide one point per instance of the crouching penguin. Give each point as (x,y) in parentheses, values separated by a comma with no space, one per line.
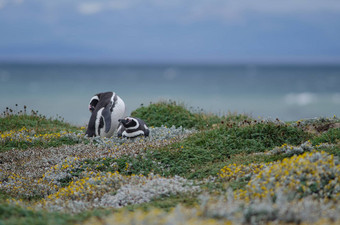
(131,127)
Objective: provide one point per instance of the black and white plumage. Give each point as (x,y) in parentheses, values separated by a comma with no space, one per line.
(106,108)
(131,127)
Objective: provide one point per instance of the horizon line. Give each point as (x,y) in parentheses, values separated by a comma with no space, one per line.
(236,61)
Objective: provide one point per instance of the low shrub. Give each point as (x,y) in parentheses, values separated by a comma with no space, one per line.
(171,113)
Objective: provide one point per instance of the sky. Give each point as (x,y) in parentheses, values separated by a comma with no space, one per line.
(170,31)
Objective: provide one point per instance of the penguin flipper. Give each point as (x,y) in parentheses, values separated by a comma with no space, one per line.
(120,130)
(146,130)
(107,117)
(146,133)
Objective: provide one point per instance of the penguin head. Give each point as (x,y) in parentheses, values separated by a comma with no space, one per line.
(100,107)
(93,102)
(129,122)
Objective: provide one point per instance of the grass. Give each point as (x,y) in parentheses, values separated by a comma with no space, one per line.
(10,120)
(13,215)
(334,150)
(171,113)
(166,203)
(203,154)
(332,136)
(230,139)
(53,142)
(199,155)
(17,129)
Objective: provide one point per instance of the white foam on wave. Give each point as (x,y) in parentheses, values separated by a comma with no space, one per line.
(301,99)
(336,98)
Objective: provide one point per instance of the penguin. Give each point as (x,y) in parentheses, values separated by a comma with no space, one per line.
(106,108)
(131,127)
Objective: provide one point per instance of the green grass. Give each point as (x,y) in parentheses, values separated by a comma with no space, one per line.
(219,141)
(166,203)
(332,136)
(14,122)
(205,153)
(335,150)
(170,113)
(14,215)
(55,142)
(40,124)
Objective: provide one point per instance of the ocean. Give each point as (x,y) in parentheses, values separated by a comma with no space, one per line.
(287,92)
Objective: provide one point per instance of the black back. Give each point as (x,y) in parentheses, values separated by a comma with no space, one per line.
(104,102)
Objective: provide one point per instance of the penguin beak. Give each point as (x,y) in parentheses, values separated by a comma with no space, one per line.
(91,108)
(123,121)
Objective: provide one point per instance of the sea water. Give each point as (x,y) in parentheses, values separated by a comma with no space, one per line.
(287,92)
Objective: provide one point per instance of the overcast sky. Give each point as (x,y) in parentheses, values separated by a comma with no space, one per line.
(167,31)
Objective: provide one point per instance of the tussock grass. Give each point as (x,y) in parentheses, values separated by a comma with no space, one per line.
(13,215)
(198,155)
(332,136)
(23,130)
(12,120)
(170,113)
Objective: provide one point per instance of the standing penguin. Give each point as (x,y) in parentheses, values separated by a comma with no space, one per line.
(131,127)
(106,108)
